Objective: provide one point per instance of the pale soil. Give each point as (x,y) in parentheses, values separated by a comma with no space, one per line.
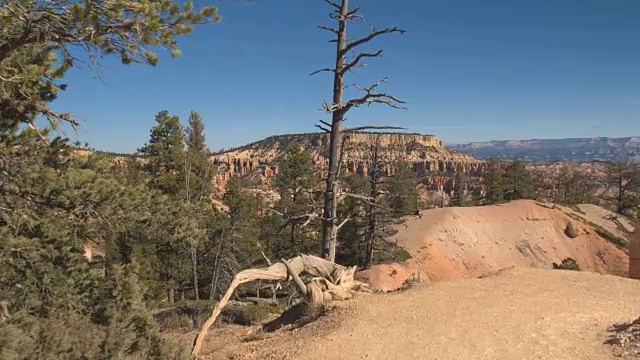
(468,242)
(600,216)
(518,313)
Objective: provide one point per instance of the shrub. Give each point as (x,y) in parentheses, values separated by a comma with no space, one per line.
(119,328)
(190,315)
(246,315)
(567,264)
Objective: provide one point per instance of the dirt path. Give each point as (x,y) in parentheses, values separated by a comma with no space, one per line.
(516,314)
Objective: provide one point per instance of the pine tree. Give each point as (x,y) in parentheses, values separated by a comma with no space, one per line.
(130,331)
(297,184)
(374,204)
(459,189)
(198,186)
(239,246)
(518,182)
(351,249)
(493,183)
(52,205)
(36,37)
(198,168)
(165,155)
(402,186)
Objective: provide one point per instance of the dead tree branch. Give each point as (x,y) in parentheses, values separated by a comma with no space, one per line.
(328,28)
(296,278)
(372,97)
(333,4)
(322,70)
(374,34)
(265,258)
(357,59)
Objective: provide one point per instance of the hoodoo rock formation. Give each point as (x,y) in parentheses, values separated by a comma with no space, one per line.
(425,153)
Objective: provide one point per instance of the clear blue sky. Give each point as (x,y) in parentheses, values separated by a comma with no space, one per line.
(469,70)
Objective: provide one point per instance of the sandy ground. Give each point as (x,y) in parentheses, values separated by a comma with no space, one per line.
(519,313)
(468,242)
(601,216)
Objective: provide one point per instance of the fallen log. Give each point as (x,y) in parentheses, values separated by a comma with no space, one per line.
(330,282)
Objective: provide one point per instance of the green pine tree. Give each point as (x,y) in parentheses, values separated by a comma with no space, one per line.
(297,184)
(239,245)
(165,155)
(459,189)
(493,183)
(36,38)
(403,189)
(518,182)
(198,167)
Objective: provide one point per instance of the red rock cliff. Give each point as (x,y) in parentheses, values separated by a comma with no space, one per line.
(426,153)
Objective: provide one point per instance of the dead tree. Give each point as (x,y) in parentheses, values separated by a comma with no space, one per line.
(330,282)
(338,108)
(626,179)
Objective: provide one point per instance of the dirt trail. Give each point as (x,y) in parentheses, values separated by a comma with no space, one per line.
(518,313)
(468,242)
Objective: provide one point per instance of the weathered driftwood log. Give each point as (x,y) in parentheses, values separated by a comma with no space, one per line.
(330,282)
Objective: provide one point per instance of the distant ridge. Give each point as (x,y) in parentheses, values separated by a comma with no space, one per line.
(301,136)
(625,149)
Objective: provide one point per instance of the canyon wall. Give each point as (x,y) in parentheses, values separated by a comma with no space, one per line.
(427,155)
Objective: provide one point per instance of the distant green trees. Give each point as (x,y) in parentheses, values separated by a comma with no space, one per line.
(402,189)
(506,182)
(493,182)
(459,188)
(518,182)
(298,186)
(373,203)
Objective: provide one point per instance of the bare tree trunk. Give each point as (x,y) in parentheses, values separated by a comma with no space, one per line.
(194,269)
(340,107)
(216,266)
(330,213)
(371,234)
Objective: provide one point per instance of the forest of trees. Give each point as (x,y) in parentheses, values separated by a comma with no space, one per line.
(619,186)
(151,214)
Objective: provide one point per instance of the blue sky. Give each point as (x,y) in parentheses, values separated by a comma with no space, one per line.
(469,70)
